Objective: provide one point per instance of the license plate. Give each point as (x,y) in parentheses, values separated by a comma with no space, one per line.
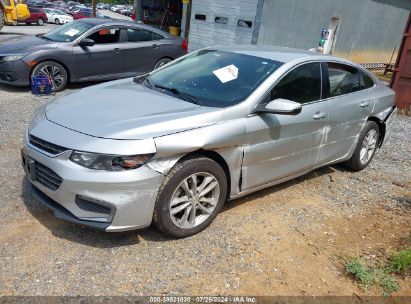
(28,165)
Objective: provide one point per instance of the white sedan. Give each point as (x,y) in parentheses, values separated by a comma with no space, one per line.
(57,16)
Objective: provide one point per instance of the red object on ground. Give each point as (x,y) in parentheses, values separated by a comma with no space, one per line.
(184,45)
(35,15)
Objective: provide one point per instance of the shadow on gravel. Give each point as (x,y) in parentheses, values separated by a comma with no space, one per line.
(282,186)
(14,89)
(99,239)
(84,235)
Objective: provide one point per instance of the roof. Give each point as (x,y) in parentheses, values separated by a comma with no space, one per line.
(109,21)
(281,54)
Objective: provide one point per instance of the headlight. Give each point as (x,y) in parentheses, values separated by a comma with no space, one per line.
(12,57)
(108,162)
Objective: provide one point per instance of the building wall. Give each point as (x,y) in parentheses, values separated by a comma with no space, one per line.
(369,29)
(208,32)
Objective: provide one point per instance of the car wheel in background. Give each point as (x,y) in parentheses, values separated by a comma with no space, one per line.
(190,197)
(57,21)
(56,71)
(40,22)
(161,62)
(366,147)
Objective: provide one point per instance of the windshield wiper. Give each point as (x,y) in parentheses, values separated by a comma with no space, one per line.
(175,91)
(45,38)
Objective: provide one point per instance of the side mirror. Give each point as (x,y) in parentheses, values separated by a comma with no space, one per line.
(280,106)
(86,42)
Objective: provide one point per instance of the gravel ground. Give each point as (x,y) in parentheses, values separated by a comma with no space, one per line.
(284,240)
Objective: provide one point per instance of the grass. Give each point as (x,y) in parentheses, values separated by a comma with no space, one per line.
(372,276)
(401,261)
(382,275)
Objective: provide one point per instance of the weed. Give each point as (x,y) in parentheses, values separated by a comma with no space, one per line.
(401,261)
(371,276)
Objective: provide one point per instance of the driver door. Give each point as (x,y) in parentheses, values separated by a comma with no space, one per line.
(280,146)
(102,61)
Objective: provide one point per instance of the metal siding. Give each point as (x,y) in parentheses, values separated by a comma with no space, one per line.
(369,29)
(207,33)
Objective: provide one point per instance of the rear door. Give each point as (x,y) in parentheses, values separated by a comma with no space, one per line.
(104,60)
(142,49)
(350,104)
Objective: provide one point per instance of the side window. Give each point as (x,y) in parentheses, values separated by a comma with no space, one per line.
(157,36)
(137,35)
(303,84)
(105,36)
(343,79)
(367,81)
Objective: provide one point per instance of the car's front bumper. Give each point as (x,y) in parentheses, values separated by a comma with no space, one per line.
(15,73)
(130,195)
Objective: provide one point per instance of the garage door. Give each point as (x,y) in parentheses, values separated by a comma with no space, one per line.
(221,22)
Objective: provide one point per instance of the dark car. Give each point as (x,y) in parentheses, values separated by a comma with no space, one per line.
(37,15)
(89,49)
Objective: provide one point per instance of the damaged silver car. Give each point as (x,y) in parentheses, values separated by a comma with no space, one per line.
(172,146)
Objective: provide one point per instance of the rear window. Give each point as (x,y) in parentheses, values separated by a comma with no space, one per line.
(368,82)
(343,79)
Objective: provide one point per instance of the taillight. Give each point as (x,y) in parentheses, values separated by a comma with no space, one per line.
(184,45)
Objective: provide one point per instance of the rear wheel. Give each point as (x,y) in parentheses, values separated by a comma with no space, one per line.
(40,22)
(190,197)
(366,147)
(56,71)
(161,62)
(57,21)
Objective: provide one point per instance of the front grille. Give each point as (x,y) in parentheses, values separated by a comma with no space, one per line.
(47,177)
(46,146)
(87,205)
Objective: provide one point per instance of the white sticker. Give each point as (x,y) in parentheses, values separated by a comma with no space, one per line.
(226,74)
(71,32)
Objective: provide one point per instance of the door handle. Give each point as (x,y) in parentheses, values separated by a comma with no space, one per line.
(319,115)
(155,46)
(117,50)
(364,104)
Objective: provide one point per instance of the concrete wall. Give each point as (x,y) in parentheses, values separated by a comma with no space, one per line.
(369,30)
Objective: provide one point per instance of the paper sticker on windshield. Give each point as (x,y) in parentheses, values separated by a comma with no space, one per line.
(71,32)
(226,74)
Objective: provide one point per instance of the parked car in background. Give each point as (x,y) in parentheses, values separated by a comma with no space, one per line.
(57,16)
(37,15)
(86,50)
(171,147)
(39,3)
(86,13)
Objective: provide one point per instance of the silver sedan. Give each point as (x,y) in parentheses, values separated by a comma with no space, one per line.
(172,146)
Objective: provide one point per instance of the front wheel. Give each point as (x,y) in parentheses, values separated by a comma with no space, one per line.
(161,62)
(56,72)
(57,21)
(190,197)
(366,147)
(40,22)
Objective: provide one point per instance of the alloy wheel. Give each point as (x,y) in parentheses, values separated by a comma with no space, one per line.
(368,146)
(56,75)
(194,200)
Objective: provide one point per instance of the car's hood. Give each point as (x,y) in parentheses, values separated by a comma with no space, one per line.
(25,45)
(125,110)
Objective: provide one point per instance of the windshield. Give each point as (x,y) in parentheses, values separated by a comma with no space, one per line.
(68,32)
(213,78)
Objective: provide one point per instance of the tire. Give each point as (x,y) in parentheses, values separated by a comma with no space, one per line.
(54,69)
(57,21)
(161,62)
(208,175)
(366,147)
(40,22)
